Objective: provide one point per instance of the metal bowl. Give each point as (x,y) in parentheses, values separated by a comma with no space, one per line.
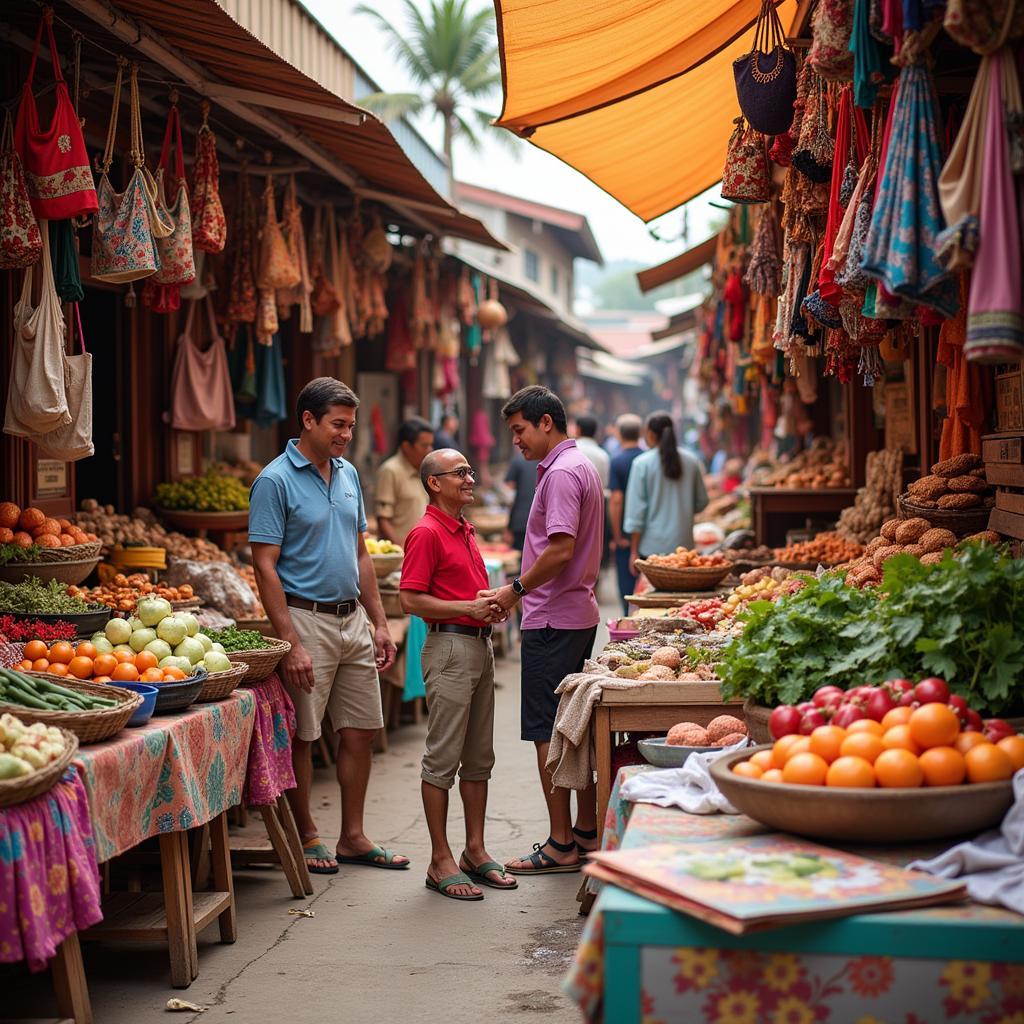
(664,755)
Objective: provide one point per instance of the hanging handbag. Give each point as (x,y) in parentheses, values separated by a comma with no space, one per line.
(209,227)
(277,268)
(57,173)
(36,394)
(984,25)
(766,77)
(746,178)
(831,28)
(177,260)
(242,289)
(201,392)
(73,441)
(815,148)
(21,244)
(298,294)
(123,246)
(324,299)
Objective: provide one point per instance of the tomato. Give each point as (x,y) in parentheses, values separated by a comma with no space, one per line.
(879,704)
(847,715)
(783,721)
(811,721)
(932,691)
(825,693)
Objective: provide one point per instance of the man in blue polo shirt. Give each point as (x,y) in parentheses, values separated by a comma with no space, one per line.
(319,588)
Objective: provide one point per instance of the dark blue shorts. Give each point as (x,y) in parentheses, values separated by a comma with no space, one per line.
(548,656)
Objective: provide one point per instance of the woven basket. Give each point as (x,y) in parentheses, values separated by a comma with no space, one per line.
(88,726)
(17,791)
(71,573)
(261,662)
(683,580)
(756,716)
(75,553)
(219,685)
(385,565)
(962,522)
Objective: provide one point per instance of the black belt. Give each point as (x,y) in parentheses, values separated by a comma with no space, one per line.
(342,609)
(481,633)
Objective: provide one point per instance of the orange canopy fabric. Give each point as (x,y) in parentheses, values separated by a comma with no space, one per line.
(638,95)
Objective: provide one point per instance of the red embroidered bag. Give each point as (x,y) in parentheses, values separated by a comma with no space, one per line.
(209,228)
(57,173)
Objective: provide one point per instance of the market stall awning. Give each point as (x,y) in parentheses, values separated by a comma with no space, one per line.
(638,96)
(203,46)
(679,266)
(601,366)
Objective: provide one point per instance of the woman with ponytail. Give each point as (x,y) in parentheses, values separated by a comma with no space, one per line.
(664,493)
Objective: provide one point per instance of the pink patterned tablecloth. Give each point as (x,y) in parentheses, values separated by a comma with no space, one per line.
(174,773)
(49,882)
(270,751)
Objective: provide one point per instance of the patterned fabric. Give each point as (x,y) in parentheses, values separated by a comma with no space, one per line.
(831,27)
(174,773)
(746,178)
(21,244)
(123,247)
(900,247)
(270,771)
(49,883)
(209,227)
(984,25)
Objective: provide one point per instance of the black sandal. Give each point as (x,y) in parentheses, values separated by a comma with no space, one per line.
(543,863)
(580,834)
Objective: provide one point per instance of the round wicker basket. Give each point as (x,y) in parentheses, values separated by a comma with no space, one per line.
(219,685)
(756,716)
(190,520)
(683,580)
(71,573)
(88,726)
(962,522)
(17,791)
(385,565)
(261,662)
(74,553)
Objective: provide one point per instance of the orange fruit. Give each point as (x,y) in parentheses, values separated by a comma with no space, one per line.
(802,746)
(851,772)
(781,747)
(943,766)
(123,656)
(26,666)
(145,659)
(763,760)
(896,716)
(772,775)
(104,664)
(747,769)
(988,763)
(152,675)
(40,665)
(967,739)
(126,672)
(86,650)
(34,650)
(62,651)
(174,673)
(934,725)
(102,679)
(826,741)
(899,737)
(80,667)
(898,769)
(865,745)
(58,668)
(805,769)
(1014,748)
(866,725)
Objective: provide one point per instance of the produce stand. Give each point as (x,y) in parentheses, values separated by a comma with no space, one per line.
(778,509)
(638,960)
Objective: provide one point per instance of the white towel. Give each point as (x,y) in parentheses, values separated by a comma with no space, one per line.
(689,788)
(993,864)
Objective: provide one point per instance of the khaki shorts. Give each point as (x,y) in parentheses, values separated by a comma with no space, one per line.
(458,673)
(345,681)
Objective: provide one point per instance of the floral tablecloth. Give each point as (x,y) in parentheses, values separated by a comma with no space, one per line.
(270,770)
(741,986)
(49,882)
(176,772)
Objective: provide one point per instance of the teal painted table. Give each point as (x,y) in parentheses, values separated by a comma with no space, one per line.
(641,963)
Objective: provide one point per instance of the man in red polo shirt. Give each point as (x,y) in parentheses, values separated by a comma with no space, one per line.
(442,574)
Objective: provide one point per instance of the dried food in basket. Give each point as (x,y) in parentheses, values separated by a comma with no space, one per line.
(684,558)
(31,528)
(25,749)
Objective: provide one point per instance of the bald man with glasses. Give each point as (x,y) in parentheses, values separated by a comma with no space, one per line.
(443,578)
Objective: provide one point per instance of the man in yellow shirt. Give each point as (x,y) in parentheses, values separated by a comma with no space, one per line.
(401,500)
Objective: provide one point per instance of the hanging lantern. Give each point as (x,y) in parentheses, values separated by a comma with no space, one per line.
(491,314)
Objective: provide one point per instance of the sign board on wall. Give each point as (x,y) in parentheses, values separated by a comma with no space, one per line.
(51,478)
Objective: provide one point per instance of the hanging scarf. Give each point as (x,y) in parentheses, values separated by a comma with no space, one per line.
(870,68)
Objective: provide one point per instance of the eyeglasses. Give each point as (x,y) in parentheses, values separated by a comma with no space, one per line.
(462,472)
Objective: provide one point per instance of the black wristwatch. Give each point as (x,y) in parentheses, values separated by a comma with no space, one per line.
(517,587)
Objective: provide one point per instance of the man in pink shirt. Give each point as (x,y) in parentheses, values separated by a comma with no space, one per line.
(561,562)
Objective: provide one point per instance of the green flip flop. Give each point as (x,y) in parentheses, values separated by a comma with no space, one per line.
(479,873)
(318,852)
(442,887)
(375,857)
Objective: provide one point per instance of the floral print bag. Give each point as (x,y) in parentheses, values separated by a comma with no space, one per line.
(20,241)
(746,178)
(177,260)
(209,226)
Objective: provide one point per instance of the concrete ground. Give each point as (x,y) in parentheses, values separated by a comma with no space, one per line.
(381,946)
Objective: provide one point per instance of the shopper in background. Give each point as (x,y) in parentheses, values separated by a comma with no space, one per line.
(319,587)
(401,501)
(561,562)
(612,443)
(447,434)
(665,491)
(522,476)
(628,426)
(586,441)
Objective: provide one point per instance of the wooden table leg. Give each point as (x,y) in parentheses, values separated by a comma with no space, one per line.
(69,982)
(603,756)
(282,848)
(291,830)
(222,878)
(181,934)
(199,857)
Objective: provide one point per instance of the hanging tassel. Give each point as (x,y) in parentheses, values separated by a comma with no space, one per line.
(129,296)
(870,366)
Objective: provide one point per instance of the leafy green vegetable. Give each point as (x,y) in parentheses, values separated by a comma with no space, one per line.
(50,598)
(235,639)
(16,553)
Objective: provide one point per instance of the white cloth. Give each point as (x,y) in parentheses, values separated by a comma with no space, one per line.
(689,788)
(993,864)
(598,457)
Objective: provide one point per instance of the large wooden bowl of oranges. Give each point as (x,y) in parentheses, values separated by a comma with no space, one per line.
(911,780)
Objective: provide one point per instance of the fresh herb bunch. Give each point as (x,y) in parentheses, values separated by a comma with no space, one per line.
(20,631)
(16,553)
(34,596)
(234,639)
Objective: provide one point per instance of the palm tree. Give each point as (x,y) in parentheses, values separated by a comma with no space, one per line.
(452,56)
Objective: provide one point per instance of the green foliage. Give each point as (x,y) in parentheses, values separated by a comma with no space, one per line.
(16,553)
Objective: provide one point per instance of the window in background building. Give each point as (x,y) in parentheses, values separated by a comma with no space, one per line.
(554,280)
(531,265)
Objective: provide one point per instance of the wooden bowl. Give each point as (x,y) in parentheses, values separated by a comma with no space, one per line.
(188,520)
(677,580)
(864,815)
(71,573)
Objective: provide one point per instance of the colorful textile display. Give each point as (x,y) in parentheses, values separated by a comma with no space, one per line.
(270,771)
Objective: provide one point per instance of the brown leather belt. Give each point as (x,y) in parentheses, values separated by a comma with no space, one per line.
(343,609)
(481,633)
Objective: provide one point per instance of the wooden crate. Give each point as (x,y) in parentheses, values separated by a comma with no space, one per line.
(1003,448)
(1005,474)
(1010,501)
(1010,399)
(1009,524)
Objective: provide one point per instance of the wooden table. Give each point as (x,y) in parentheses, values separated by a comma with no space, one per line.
(657,706)
(777,509)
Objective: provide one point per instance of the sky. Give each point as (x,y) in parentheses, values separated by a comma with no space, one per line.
(535,174)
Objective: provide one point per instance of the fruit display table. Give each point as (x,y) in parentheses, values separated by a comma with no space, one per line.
(774,510)
(639,961)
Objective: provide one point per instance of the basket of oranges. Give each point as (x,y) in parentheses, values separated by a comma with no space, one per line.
(85,662)
(915,775)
